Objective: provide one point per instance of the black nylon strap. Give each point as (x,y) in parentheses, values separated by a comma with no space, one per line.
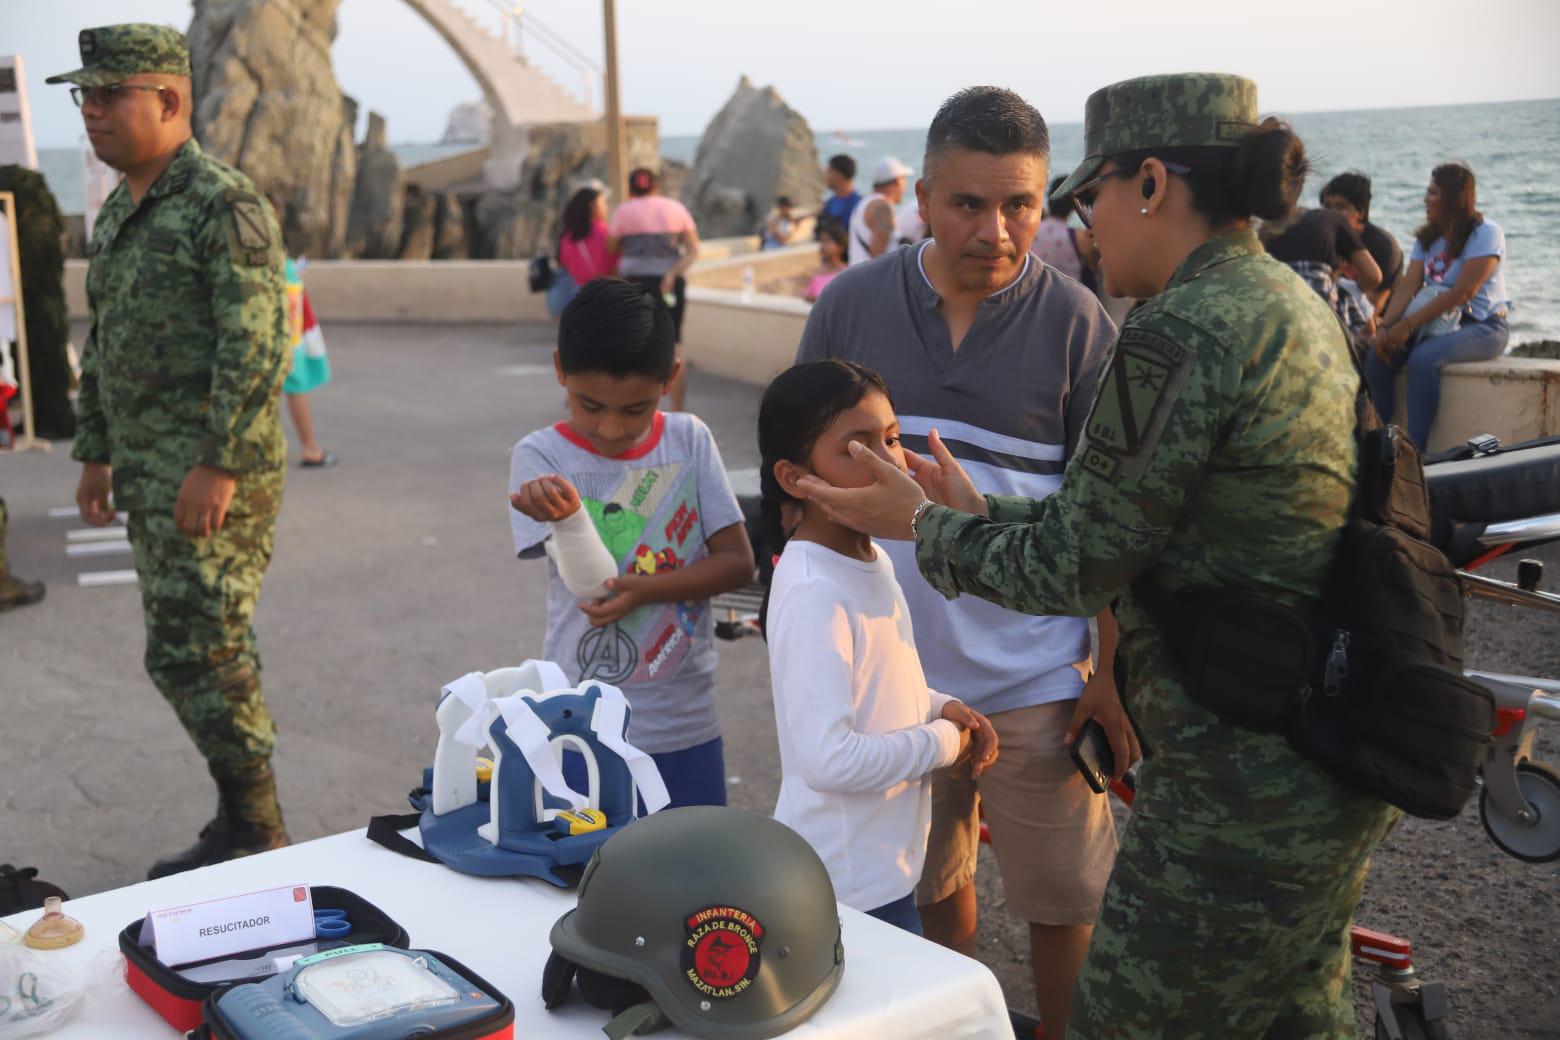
(386,831)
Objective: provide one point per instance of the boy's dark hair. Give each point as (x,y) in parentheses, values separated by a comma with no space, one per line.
(1352,187)
(783,201)
(795,411)
(844,165)
(986,119)
(619,328)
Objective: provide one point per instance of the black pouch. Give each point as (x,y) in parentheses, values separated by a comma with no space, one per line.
(1244,657)
(1424,732)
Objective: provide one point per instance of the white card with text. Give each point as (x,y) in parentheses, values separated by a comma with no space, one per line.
(222,927)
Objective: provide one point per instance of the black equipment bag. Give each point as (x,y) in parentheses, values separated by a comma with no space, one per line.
(21,890)
(1368,681)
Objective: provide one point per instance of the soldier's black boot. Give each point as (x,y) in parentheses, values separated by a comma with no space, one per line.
(14,592)
(248,821)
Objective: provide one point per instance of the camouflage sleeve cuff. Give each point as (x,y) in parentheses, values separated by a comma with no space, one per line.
(1013,509)
(90,446)
(235,457)
(937,532)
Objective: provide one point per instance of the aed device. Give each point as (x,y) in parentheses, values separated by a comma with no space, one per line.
(367,992)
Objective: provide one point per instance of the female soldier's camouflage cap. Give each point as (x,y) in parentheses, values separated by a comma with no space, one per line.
(1181,110)
(114,53)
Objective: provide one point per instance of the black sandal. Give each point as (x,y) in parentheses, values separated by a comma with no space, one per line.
(327,459)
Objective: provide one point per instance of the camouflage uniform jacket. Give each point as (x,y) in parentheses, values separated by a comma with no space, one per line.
(187,349)
(1219,452)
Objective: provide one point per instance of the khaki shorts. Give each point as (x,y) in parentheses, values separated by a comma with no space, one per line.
(1054,838)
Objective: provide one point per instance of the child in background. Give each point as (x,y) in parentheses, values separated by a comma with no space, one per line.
(859,729)
(831,257)
(652,486)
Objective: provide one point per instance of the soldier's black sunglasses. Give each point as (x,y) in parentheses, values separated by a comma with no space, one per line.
(1083,195)
(101,97)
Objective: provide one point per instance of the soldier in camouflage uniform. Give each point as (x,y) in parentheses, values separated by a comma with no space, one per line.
(181,377)
(1219,453)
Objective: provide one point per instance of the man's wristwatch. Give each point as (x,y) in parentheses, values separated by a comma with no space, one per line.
(915,517)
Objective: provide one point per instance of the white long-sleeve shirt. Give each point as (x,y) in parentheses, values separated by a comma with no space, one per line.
(859,728)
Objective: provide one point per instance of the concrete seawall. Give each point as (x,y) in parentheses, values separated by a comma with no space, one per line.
(755,337)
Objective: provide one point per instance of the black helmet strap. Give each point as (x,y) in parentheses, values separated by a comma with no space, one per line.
(635,1012)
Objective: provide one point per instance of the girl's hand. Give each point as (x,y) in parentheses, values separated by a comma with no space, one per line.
(944,480)
(628,595)
(983,735)
(546,499)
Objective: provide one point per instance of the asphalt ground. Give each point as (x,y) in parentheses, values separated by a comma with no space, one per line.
(393,573)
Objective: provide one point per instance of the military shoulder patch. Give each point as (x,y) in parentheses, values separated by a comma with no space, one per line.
(1134,401)
(250,230)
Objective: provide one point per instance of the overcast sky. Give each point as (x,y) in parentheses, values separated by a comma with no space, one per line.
(867,64)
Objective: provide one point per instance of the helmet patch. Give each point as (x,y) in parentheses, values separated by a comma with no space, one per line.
(720,956)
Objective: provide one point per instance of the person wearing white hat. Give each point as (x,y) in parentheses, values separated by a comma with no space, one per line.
(872,223)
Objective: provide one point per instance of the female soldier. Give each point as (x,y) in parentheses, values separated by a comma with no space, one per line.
(1219,455)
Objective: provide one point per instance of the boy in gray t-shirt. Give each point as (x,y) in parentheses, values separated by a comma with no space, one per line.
(654,489)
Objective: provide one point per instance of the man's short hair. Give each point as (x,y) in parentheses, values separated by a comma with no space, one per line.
(844,165)
(617,327)
(1353,187)
(986,119)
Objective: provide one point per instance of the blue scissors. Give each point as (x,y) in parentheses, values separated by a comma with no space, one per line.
(331,924)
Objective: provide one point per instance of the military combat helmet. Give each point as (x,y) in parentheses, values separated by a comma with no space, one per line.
(719,921)
(1180,110)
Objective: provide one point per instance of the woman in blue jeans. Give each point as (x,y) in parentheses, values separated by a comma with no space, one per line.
(1450,305)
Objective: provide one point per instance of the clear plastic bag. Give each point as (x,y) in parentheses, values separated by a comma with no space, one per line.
(36,993)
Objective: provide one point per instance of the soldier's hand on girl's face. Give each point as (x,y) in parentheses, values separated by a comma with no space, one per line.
(203,501)
(944,480)
(92,493)
(546,499)
(627,596)
(881,509)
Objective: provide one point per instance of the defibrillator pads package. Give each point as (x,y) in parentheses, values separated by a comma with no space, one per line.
(369,992)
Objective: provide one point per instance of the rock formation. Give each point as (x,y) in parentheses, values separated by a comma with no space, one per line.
(560,158)
(374,221)
(469,123)
(756,147)
(267,102)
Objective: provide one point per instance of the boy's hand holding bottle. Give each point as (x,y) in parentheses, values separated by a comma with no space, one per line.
(980,734)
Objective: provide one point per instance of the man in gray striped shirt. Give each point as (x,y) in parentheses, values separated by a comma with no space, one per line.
(983,343)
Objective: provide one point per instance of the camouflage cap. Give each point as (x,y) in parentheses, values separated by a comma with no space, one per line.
(1182,110)
(114,53)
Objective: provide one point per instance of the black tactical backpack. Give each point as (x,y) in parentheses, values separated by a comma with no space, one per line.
(1368,681)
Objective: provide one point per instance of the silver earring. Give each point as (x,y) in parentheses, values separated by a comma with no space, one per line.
(1144,211)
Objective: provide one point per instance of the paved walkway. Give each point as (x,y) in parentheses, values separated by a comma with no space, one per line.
(393,573)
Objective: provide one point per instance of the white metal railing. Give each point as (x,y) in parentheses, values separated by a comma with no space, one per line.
(520,25)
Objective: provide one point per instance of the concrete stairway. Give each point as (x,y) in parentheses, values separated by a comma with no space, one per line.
(519,93)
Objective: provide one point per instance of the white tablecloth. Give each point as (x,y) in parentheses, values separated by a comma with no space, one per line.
(895,986)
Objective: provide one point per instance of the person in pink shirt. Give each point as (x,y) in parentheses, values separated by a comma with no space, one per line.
(582,248)
(832,244)
(658,242)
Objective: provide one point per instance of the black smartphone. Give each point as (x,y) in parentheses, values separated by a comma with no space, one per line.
(1092,755)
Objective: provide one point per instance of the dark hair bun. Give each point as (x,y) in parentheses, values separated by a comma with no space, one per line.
(1267,171)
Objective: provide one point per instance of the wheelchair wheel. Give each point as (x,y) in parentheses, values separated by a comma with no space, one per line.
(1537,841)
(1412,1024)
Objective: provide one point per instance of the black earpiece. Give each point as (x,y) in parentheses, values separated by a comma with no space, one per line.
(1148,187)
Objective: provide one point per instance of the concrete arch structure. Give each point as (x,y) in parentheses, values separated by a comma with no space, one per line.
(519,94)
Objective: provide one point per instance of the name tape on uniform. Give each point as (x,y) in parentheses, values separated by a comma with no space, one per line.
(222,927)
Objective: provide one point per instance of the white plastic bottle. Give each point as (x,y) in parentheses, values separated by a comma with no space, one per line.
(747,283)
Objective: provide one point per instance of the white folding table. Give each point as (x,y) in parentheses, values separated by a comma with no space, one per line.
(894,986)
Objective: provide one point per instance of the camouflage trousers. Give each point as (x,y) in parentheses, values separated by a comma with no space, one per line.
(199,597)
(1194,947)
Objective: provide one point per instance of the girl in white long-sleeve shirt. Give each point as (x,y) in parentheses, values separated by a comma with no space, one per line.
(859,728)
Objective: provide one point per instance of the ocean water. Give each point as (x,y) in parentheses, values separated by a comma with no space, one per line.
(1513,148)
